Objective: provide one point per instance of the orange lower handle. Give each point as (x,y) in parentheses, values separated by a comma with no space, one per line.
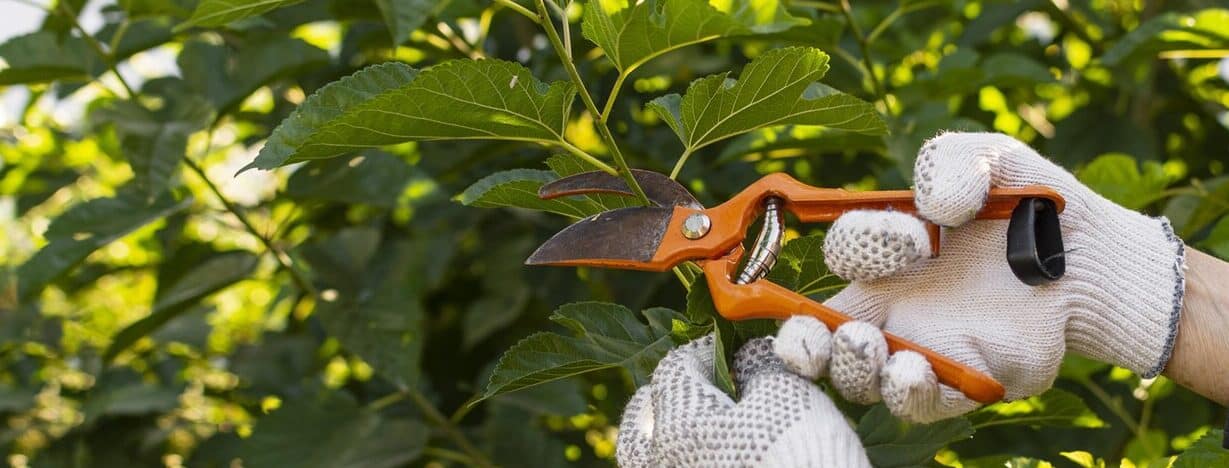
(765,300)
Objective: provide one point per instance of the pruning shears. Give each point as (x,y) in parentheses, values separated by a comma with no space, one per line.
(679,229)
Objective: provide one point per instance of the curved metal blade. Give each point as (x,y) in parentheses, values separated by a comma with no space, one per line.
(623,236)
(660,189)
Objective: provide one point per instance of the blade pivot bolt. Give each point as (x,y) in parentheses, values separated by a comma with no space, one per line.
(696,226)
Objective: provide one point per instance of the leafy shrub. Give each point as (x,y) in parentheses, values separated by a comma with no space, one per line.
(353,306)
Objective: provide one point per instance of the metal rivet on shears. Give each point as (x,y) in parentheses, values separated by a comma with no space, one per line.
(696,226)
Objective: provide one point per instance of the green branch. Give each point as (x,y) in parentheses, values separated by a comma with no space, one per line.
(65,10)
(511,5)
(450,430)
(565,56)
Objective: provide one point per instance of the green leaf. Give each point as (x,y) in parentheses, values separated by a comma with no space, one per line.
(519,188)
(1146,447)
(221,12)
(801,268)
(1207,451)
(796,141)
(1054,408)
(44,56)
(605,336)
(393,103)
(371,300)
(1191,212)
(518,439)
(374,178)
(1217,241)
(891,442)
(227,78)
(139,35)
(777,88)
(700,311)
(331,432)
(156,141)
(1014,70)
(194,272)
(404,16)
(86,227)
(1115,176)
(631,35)
(504,292)
(121,392)
(1205,29)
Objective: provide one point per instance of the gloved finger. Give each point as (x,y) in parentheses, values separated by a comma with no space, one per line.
(912,392)
(859,352)
(804,345)
(866,245)
(634,447)
(682,387)
(954,171)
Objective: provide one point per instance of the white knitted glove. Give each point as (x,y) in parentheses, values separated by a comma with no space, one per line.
(681,419)
(1118,302)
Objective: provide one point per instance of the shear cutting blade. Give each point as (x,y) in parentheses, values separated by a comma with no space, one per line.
(623,235)
(660,189)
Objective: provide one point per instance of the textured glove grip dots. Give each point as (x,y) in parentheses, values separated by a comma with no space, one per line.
(1035,242)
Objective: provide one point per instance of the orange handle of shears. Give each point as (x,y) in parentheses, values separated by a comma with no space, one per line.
(766,300)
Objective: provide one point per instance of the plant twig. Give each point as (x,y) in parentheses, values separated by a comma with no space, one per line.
(864,47)
(65,10)
(282,258)
(565,56)
(449,429)
(511,5)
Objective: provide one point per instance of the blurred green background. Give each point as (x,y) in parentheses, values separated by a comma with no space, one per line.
(158,310)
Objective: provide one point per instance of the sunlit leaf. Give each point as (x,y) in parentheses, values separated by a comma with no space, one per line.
(604,336)
(191,274)
(86,227)
(777,88)
(1117,177)
(221,12)
(393,103)
(1055,408)
(331,431)
(891,442)
(1207,451)
(1168,31)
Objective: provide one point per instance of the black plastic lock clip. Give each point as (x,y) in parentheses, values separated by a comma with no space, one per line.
(1035,242)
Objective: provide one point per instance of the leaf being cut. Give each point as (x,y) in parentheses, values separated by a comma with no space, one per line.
(1054,408)
(633,34)
(329,431)
(393,103)
(85,228)
(604,336)
(777,88)
(45,56)
(891,442)
(221,12)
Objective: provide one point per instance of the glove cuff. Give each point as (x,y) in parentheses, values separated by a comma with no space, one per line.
(1127,273)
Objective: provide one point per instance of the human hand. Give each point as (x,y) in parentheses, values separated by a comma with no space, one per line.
(1118,302)
(681,419)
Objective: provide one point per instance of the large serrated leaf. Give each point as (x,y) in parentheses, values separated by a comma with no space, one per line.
(226,78)
(891,442)
(394,103)
(605,336)
(777,88)
(85,228)
(331,432)
(221,12)
(519,188)
(1207,451)
(45,56)
(1054,408)
(801,268)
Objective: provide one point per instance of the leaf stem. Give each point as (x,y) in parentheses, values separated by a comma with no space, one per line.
(678,165)
(67,12)
(587,157)
(511,5)
(565,56)
(437,418)
(614,94)
(896,14)
(282,258)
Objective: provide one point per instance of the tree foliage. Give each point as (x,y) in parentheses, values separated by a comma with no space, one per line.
(297,240)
